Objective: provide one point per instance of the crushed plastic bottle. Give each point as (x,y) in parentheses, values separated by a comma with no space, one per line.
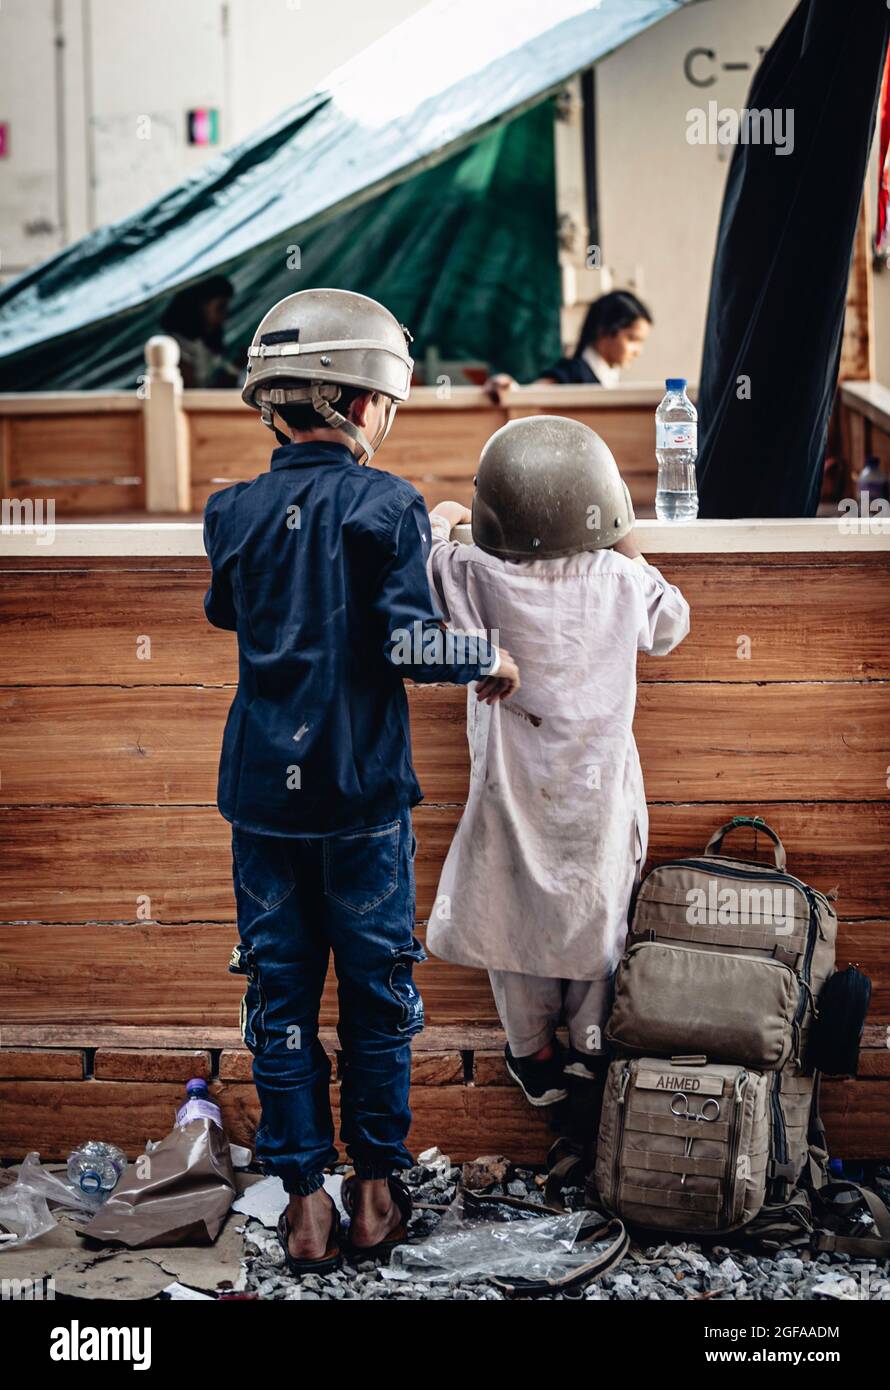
(95,1168)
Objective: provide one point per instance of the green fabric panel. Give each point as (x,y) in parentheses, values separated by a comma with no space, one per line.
(464,254)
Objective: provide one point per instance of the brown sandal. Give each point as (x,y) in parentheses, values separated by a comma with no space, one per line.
(323,1264)
(402,1198)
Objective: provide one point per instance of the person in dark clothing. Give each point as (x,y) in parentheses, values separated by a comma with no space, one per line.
(195,317)
(319,565)
(614,331)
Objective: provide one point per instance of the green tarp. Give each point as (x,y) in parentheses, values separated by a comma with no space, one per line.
(421,173)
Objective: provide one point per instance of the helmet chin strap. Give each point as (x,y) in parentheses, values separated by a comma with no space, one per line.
(322,405)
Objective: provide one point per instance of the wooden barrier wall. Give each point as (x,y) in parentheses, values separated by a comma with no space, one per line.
(88,450)
(116,904)
(436,443)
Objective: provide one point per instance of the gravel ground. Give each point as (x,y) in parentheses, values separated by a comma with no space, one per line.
(673,1271)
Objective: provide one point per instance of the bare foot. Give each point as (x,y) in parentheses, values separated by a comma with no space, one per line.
(374,1213)
(311,1221)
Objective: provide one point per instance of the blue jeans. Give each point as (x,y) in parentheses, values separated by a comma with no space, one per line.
(299,900)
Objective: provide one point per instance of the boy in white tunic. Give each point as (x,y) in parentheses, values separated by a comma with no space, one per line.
(539,879)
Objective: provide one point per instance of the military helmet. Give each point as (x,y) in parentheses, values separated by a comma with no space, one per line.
(548,486)
(313,343)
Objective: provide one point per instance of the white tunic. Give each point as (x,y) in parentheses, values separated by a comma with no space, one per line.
(542,867)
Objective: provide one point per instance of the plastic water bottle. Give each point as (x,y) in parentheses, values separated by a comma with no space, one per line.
(198,1105)
(95,1169)
(676,447)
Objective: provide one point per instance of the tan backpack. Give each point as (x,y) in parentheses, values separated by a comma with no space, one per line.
(715,997)
(709,1122)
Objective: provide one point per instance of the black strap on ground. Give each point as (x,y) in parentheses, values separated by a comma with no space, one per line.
(782,262)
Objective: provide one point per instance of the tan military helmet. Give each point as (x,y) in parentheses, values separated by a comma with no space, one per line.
(311,344)
(548,486)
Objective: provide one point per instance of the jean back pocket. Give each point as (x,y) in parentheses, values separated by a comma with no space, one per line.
(361,867)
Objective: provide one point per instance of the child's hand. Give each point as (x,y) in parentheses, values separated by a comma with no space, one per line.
(499,386)
(501,686)
(455,513)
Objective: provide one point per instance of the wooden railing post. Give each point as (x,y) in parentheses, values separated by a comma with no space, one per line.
(168,481)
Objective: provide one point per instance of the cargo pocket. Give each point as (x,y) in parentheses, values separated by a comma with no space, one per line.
(403,988)
(253,1002)
(361,869)
(264,868)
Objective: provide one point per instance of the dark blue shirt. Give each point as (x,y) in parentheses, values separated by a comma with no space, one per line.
(573,371)
(319,565)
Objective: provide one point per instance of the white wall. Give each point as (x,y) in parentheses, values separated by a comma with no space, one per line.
(660,196)
(78,78)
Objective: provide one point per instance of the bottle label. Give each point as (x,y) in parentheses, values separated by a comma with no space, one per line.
(199,1109)
(676,434)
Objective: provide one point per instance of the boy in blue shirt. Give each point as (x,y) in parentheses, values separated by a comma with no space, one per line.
(319,565)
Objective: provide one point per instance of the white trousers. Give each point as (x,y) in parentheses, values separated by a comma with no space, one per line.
(531,1009)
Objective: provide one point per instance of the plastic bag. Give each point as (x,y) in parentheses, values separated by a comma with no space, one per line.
(52,1187)
(179,1193)
(521,1247)
(24,1209)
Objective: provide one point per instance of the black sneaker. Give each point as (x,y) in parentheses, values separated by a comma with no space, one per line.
(587,1066)
(542,1083)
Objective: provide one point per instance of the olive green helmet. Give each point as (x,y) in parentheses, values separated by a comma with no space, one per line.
(548,486)
(311,344)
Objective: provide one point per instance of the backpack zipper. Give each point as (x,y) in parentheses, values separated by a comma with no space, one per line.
(619,1138)
(741,1082)
(780,1145)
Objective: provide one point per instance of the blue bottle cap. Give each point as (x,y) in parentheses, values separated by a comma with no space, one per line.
(676,383)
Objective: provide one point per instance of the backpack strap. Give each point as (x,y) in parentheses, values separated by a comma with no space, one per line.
(835,1200)
(593,1230)
(757,823)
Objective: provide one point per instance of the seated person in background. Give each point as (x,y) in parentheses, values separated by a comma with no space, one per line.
(195,317)
(614,331)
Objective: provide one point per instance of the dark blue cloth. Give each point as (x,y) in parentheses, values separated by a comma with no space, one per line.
(299,900)
(319,565)
(573,371)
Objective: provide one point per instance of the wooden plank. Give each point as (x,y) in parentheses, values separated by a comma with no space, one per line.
(435,448)
(59,633)
(125,1064)
(173,864)
(53,1116)
(38,404)
(451,1038)
(73,449)
(824,623)
(41,1064)
(697,742)
(134,979)
(72,500)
